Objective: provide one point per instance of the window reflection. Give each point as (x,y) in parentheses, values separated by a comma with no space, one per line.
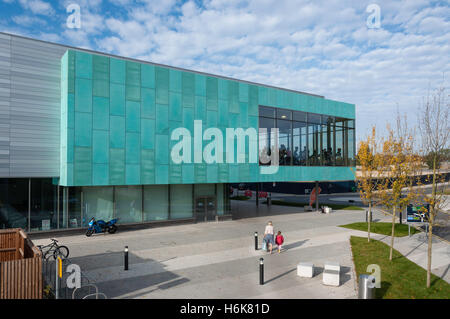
(308,139)
(14,203)
(285,142)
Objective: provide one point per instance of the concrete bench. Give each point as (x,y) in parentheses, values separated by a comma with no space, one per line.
(332,266)
(305,270)
(307,208)
(331,277)
(331,274)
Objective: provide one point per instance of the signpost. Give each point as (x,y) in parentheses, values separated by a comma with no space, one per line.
(58,268)
(417,214)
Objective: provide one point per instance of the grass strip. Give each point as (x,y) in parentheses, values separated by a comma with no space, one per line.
(382,228)
(400,278)
(333,206)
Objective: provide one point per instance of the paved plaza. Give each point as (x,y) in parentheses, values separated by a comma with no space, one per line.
(218,259)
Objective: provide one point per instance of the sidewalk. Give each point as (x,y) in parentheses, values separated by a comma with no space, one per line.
(218,260)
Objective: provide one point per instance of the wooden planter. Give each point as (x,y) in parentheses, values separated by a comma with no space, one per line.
(20,266)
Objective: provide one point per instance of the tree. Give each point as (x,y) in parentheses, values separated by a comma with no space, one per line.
(435,159)
(367,180)
(435,130)
(400,169)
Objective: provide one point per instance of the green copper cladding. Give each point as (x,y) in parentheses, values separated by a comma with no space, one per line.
(117,117)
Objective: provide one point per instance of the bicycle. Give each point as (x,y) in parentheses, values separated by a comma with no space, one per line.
(55,249)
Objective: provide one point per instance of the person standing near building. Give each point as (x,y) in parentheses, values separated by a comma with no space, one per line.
(268,236)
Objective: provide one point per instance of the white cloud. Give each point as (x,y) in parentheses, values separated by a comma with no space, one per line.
(322,47)
(38,7)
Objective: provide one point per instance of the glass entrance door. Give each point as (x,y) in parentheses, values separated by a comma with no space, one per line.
(205,209)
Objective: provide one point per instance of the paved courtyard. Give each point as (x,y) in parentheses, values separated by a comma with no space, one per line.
(218,260)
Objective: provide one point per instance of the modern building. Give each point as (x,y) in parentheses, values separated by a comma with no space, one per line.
(87,134)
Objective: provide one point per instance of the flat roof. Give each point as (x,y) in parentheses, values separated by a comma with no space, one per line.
(158,64)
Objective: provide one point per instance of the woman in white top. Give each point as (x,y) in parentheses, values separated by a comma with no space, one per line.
(269,236)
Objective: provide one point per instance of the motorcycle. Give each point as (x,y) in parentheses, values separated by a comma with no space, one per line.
(100,226)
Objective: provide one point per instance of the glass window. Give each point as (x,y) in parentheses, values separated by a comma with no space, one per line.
(327,153)
(339,145)
(299,116)
(129,204)
(266,111)
(74,207)
(98,203)
(14,203)
(314,118)
(299,143)
(265,138)
(284,114)
(156,202)
(307,138)
(313,144)
(44,202)
(221,199)
(180,201)
(351,147)
(285,142)
(204,190)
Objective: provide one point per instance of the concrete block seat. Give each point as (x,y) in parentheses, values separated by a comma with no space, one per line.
(305,269)
(331,274)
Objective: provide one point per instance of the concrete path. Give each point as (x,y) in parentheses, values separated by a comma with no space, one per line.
(218,260)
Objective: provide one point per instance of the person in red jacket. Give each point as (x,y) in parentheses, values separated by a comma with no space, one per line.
(279,240)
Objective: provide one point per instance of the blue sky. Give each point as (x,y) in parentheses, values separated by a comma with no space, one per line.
(322,47)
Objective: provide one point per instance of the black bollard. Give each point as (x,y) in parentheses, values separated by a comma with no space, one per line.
(126,258)
(256,240)
(261,271)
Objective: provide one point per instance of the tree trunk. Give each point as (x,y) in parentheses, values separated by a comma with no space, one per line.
(368,222)
(431,221)
(393,233)
(430,243)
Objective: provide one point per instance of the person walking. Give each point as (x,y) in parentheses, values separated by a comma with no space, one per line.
(279,240)
(269,236)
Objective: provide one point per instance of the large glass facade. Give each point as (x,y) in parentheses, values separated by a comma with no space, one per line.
(44,202)
(73,211)
(156,202)
(39,204)
(181,201)
(14,203)
(98,202)
(308,139)
(128,204)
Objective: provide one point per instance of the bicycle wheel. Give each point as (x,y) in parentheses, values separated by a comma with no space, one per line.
(61,251)
(48,253)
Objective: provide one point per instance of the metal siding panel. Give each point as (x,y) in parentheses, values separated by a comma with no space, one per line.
(34,114)
(5,80)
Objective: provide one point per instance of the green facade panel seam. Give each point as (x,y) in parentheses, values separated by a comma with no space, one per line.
(131,109)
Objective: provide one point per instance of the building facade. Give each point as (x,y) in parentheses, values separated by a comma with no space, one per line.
(85,134)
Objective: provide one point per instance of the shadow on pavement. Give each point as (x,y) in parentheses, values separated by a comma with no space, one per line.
(294,245)
(117,285)
(281,275)
(344,275)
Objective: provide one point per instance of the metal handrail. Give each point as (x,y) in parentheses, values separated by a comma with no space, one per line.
(88,285)
(96,294)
